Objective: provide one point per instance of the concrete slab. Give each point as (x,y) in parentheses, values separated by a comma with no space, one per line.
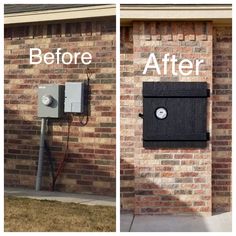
(217,223)
(125,222)
(87,199)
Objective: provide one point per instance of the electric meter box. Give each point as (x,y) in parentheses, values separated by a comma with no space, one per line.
(175,114)
(50,100)
(74,97)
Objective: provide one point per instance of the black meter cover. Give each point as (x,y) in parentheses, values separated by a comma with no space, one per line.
(175,114)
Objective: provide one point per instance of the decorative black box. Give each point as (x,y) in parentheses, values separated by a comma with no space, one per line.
(175,114)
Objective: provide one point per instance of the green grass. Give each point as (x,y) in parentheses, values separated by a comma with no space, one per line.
(29,215)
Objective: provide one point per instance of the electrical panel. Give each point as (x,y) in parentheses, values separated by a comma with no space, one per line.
(175,114)
(74,97)
(50,100)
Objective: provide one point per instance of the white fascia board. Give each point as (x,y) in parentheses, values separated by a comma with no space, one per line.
(60,14)
(176,12)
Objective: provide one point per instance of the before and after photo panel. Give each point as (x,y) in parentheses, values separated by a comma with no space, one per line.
(62,84)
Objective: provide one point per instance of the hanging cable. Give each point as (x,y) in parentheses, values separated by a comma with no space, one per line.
(81,121)
(69,122)
(62,163)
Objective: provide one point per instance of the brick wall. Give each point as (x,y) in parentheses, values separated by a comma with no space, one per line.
(91,163)
(164,181)
(126,120)
(222,109)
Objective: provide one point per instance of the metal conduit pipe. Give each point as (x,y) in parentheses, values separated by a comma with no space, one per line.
(41,153)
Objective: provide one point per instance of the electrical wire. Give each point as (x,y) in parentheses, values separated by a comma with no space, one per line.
(69,122)
(62,163)
(82,123)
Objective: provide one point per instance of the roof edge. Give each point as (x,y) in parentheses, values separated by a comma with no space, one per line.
(60,14)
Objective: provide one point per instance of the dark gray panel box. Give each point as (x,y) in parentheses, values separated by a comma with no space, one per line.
(53,96)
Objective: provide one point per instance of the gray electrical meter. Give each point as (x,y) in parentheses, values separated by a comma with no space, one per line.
(50,100)
(74,97)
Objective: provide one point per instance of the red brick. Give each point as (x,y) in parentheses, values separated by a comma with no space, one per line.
(170,166)
(92,147)
(222,108)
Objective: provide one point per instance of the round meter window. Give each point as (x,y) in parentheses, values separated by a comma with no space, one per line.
(161,113)
(47,100)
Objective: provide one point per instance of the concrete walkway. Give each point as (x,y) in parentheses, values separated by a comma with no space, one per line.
(86,199)
(217,223)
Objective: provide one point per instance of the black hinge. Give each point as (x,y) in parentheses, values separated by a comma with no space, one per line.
(208,93)
(208,136)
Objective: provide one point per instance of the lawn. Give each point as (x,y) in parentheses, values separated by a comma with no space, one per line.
(29,215)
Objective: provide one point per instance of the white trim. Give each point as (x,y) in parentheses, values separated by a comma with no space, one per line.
(176,12)
(164,2)
(60,14)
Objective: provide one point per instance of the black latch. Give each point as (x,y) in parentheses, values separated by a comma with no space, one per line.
(140,115)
